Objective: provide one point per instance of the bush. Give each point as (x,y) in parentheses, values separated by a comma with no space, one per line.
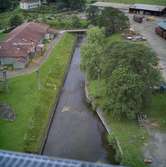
(15,20)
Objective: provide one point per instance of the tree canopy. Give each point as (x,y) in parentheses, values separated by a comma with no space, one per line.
(15,20)
(110,18)
(92,52)
(129,70)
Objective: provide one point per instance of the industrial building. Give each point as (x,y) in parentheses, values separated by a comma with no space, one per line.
(156,10)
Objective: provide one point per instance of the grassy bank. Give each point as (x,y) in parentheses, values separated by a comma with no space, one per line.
(31,105)
(129,134)
(157,2)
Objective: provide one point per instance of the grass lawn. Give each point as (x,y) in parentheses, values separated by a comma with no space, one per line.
(31,105)
(157,110)
(2,36)
(157,2)
(131,138)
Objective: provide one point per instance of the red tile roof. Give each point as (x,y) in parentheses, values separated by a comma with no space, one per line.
(22,40)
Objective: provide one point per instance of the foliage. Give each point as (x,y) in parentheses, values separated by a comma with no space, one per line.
(92,52)
(125,90)
(7,4)
(67,22)
(72,4)
(129,134)
(15,20)
(32,113)
(137,57)
(129,70)
(111,19)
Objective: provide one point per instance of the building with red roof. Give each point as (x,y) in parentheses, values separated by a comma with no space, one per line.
(22,44)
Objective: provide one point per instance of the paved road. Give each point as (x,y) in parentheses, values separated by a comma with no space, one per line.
(75,132)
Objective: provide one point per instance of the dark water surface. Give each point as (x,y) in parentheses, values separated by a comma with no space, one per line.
(75,133)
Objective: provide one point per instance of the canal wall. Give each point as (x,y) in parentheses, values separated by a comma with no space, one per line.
(53,109)
(115,142)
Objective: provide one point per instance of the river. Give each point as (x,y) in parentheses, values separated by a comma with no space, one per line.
(76,132)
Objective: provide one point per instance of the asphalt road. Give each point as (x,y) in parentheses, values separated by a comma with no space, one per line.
(76,133)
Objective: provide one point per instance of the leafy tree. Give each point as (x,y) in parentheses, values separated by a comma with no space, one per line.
(92,14)
(15,20)
(137,57)
(92,52)
(7,4)
(111,19)
(128,69)
(75,22)
(125,90)
(72,4)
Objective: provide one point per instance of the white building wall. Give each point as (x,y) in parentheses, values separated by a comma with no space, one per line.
(27,6)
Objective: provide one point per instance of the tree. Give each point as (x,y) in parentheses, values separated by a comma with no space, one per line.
(15,20)
(125,90)
(92,14)
(5,4)
(131,73)
(137,57)
(128,69)
(75,22)
(92,52)
(111,19)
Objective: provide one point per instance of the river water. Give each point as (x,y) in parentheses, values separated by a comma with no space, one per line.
(75,133)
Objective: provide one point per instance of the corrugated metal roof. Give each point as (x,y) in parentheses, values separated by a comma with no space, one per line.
(13,159)
(163,24)
(156,8)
